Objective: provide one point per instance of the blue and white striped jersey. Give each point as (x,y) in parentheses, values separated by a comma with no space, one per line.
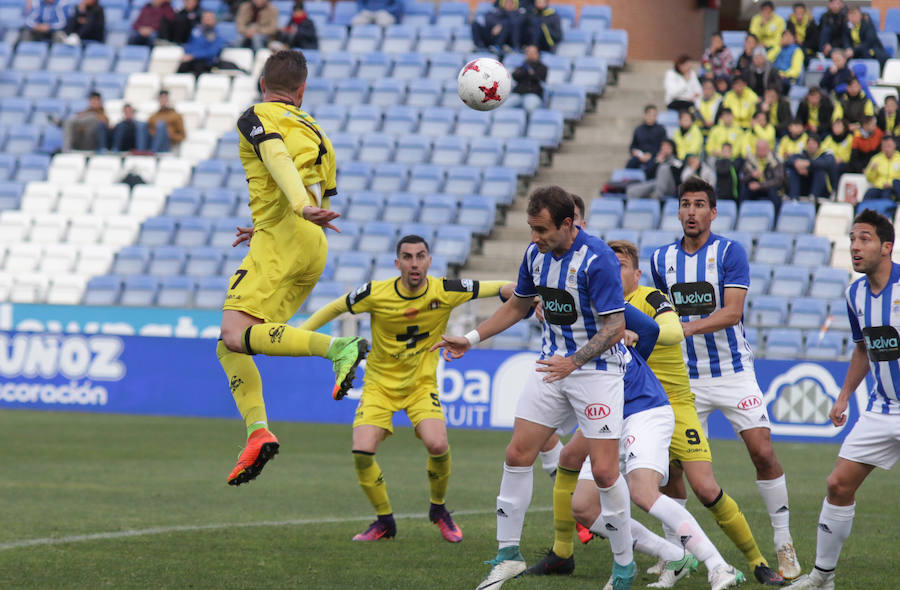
(643,391)
(575,290)
(695,284)
(875,319)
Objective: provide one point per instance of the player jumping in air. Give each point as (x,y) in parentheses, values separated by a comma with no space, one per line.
(290,168)
(875,439)
(409,314)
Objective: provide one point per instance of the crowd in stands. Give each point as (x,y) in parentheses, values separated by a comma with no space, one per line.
(511,25)
(736,124)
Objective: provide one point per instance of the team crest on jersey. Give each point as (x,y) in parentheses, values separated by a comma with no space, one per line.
(434,304)
(572,279)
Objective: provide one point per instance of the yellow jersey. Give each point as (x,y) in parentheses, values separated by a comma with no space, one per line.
(279,141)
(666,362)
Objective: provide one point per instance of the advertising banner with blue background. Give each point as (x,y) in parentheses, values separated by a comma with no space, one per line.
(181,377)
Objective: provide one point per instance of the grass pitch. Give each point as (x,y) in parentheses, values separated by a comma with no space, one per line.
(99,501)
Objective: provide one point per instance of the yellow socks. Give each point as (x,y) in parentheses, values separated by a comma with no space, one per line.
(563,521)
(439,476)
(371,480)
(282,340)
(246,386)
(733,523)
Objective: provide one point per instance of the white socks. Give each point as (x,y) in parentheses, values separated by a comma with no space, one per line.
(616,513)
(670,533)
(550,459)
(835,523)
(775,495)
(690,536)
(513,501)
(650,543)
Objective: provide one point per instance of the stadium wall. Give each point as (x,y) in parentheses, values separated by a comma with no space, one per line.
(181,377)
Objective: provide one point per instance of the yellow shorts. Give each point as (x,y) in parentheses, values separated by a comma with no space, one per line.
(280,270)
(377,407)
(689,442)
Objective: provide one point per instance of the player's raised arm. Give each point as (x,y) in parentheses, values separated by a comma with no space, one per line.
(515,309)
(326,314)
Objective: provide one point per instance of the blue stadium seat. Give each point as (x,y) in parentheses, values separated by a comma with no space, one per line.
(756,216)
(110,85)
(784,343)
(641,214)
(825,346)
(837,311)
(131,260)
(354,176)
(796,217)
(743,238)
(425,93)
(346,240)
(653,239)
(204,261)
(32,167)
(73,85)
(449,150)
(11,195)
(338,65)
(401,207)
(437,121)
(611,45)
(808,313)
(15,110)
(344,12)
(768,310)
(39,84)
(30,56)
(400,120)
(227,146)
(508,123)
(324,292)
(812,251)
(419,14)
(829,283)
(64,57)
(790,281)
(364,38)
(445,66)
(384,267)
(773,248)
(182,202)
(605,213)
(726,213)
(478,213)
(167,261)
(889,42)
(193,231)
(462,180)
(566,14)
(139,290)
(352,268)
(345,144)
(425,179)
(388,92)
(595,17)
(412,149)
(377,237)
(132,58)
(453,242)
(389,177)
(24,139)
(462,39)
(319,91)
(351,91)
(630,235)
(452,14)
(373,66)
(176,292)
(331,116)
(892,20)
(734,37)
(7,166)
(590,72)
(559,68)
(569,99)
(10,83)
(5,48)
(575,43)
(409,66)
(210,174)
(223,230)
(399,39)
(546,126)
(365,206)
(319,10)
(425,230)
(523,155)
(434,40)
(376,148)
(332,38)
(471,123)
(500,183)
(98,58)
(157,231)
(485,152)
(869,69)
(760,277)
(886,207)
(210,293)
(103,290)
(364,119)
(438,209)
(218,203)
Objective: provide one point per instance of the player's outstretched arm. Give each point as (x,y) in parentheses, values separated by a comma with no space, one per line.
(728,315)
(856,372)
(326,314)
(506,315)
(493,288)
(610,329)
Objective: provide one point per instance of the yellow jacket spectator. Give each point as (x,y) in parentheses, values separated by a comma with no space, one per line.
(688,138)
(839,143)
(794,142)
(727,131)
(884,167)
(707,106)
(767,26)
(761,129)
(789,60)
(742,102)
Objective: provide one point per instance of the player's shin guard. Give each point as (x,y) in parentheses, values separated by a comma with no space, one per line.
(515,496)
(282,340)
(371,480)
(616,512)
(835,523)
(439,476)
(649,543)
(246,386)
(550,459)
(563,521)
(733,523)
(690,535)
(775,495)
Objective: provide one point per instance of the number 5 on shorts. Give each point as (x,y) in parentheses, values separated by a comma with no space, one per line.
(241,273)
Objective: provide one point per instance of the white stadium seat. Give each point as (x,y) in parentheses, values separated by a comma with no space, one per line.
(165,59)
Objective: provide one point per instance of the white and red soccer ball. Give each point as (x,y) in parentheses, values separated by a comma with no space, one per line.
(483,84)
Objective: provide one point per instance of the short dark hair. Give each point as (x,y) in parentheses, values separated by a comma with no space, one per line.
(695,184)
(814,90)
(752,36)
(625,248)
(726,110)
(163,92)
(649,107)
(889,138)
(94,94)
(884,229)
(681,60)
(795,121)
(285,71)
(890,97)
(852,80)
(579,204)
(767,4)
(799,5)
(412,239)
(868,119)
(558,203)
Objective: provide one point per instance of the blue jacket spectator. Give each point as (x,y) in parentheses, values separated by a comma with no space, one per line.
(87,22)
(544,27)
(45,22)
(383,13)
(861,38)
(645,141)
(500,27)
(129,134)
(837,75)
(201,52)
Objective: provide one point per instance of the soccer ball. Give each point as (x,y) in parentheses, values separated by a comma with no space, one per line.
(483,84)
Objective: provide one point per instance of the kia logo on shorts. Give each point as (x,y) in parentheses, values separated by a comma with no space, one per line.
(596,411)
(750,402)
(628,440)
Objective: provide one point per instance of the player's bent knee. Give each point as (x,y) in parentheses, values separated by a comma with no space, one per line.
(516,457)
(437,447)
(233,339)
(605,476)
(571,458)
(840,491)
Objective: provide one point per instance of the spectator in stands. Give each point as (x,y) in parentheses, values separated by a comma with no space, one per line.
(762,176)
(383,13)
(778,108)
(179,29)
(45,22)
(88,129)
(661,172)
(855,104)
(544,27)
(300,30)
(866,143)
(682,85)
(688,138)
(166,127)
(257,23)
(861,38)
(832,26)
(707,106)
(727,170)
(726,131)
(501,27)
(742,102)
(86,23)
(789,61)
(794,142)
(694,166)
(760,129)
(201,53)
(805,28)
(528,92)
(150,20)
(129,134)
(722,84)
(816,111)
(761,74)
(646,139)
(767,26)
(839,144)
(837,75)
(883,172)
(745,59)
(717,60)
(807,172)
(887,116)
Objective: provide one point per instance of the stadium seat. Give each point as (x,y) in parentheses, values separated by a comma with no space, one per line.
(424,230)
(15,110)
(605,213)
(889,42)
(65,289)
(784,343)
(892,20)
(22,258)
(157,231)
(462,180)
(419,14)
(808,313)
(756,216)
(103,290)
(825,346)
(352,268)
(439,209)
(8,165)
(30,56)
(409,66)
(790,281)
(75,199)
(829,283)
(120,230)
(425,179)
(354,176)
(437,122)
(796,217)
(478,213)
(462,40)
(444,66)
(768,310)
(833,219)
(760,277)
(339,65)
(388,93)
(452,14)
(111,86)
(726,214)
(40,197)
(434,40)
(575,43)
(97,58)
(508,123)
(485,152)
(84,230)
(345,145)
(347,239)
(566,14)
(812,251)
(641,214)
(141,88)
(424,93)
(411,149)
(365,206)
(63,58)
(32,167)
(652,239)
(546,126)
(132,58)
(193,231)
(210,293)
(611,45)
(131,260)
(559,68)
(500,183)
(23,140)
(449,150)
(453,242)
(48,110)
(204,261)
(139,290)
(209,174)
(595,17)
(351,91)
(364,38)
(212,88)
(389,177)
(15,226)
(111,199)
(374,66)
(73,85)
(364,118)
(10,83)
(399,39)
(377,237)
(166,261)
(869,69)
(401,207)
(522,155)
(223,230)
(629,235)
(569,99)
(175,292)
(773,248)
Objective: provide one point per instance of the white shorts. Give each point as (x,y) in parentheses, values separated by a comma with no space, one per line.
(595,398)
(737,395)
(874,440)
(644,443)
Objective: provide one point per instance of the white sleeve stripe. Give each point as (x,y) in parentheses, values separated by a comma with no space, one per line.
(610,311)
(517,294)
(737,285)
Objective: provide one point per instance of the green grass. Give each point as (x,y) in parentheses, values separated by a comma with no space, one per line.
(78,474)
